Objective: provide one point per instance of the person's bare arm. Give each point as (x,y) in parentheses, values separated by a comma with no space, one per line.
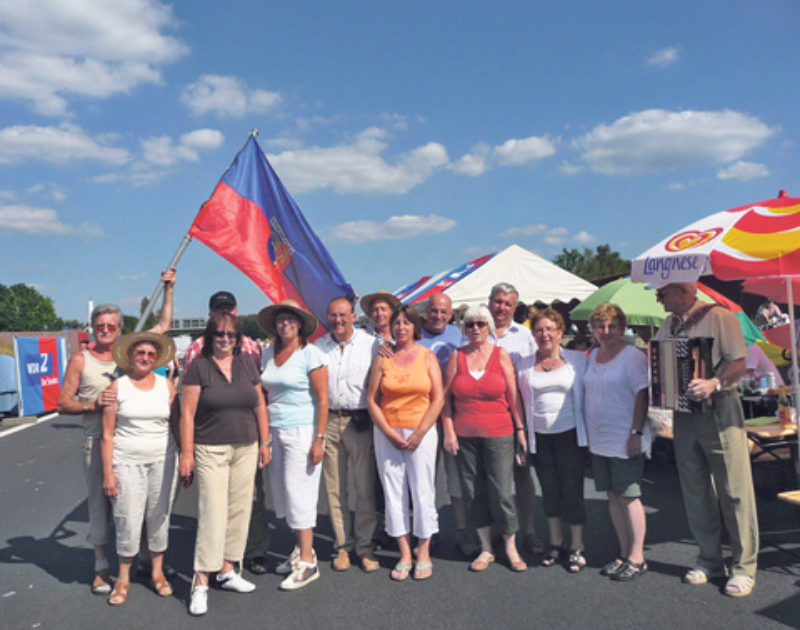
(262,418)
(110,486)
(165,317)
(514,401)
(449,434)
(190,395)
(319,388)
(66,399)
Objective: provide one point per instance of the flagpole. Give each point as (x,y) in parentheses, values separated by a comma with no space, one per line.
(182,247)
(160,286)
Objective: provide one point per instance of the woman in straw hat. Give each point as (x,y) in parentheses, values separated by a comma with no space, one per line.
(224,436)
(295,377)
(138,452)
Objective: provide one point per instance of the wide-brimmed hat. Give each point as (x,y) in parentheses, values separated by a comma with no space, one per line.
(368,300)
(267,315)
(120,349)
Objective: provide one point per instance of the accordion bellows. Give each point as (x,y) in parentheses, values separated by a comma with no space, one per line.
(674,363)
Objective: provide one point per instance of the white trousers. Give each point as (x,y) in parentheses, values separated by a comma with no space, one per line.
(293,480)
(145,495)
(404,474)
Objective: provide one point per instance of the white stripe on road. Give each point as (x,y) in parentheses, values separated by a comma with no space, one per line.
(21,427)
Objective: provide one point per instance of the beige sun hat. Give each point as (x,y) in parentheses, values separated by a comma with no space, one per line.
(120,349)
(368,300)
(267,315)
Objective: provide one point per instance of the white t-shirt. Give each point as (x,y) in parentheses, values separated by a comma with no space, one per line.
(553,409)
(610,393)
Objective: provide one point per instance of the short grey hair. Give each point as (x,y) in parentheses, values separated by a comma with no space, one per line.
(504,287)
(479,313)
(104,309)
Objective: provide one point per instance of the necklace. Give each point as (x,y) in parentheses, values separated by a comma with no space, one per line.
(550,363)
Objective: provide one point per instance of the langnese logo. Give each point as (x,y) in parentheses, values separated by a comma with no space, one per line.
(691,239)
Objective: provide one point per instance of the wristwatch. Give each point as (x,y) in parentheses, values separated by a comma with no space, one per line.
(718,386)
(86,407)
(636,432)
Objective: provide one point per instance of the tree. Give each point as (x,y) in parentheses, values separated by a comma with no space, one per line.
(23,308)
(590,265)
(250,326)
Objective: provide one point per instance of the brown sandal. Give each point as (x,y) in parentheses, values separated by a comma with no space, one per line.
(161,586)
(120,594)
(482,562)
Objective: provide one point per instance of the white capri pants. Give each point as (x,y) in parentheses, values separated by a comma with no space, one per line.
(404,472)
(145,495)
(294,482)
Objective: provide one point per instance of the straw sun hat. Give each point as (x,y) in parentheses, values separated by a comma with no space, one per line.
(267,315)
(381,296)
(121,348)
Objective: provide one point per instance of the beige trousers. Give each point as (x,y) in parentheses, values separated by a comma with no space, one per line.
(225,474)
(347,448)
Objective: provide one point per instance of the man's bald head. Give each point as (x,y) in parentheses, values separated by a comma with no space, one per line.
(438,313)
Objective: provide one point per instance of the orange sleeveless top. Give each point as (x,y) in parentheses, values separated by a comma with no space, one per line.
(405,392)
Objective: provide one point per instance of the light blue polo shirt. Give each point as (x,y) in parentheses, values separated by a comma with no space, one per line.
(290,401)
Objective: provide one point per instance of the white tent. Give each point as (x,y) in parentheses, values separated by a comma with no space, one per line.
(534,277)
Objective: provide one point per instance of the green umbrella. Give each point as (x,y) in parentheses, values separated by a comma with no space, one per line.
(642,308)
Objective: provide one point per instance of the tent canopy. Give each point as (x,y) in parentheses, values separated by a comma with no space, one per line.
(470,283)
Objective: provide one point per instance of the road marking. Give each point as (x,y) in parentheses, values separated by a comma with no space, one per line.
(21,427)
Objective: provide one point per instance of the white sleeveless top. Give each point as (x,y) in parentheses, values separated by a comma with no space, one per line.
(142,434)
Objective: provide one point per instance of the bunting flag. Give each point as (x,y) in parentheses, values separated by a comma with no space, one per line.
(252,221)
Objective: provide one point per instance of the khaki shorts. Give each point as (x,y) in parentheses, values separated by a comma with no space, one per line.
(623,477)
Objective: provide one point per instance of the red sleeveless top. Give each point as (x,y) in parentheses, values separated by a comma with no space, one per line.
(481,406)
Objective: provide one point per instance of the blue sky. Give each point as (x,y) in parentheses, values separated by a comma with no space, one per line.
(414,135)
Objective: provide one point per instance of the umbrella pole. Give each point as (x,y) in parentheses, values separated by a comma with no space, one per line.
(793,354)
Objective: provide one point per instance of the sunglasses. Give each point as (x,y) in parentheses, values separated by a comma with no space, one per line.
(475,324)
(108,327)
(148,354)
(219,334)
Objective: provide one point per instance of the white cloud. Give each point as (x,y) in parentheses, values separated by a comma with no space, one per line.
(658,140)
(470,164)
(133,277)
(513,152)
(664,57)
(51,49)
(554,240)
(58,145)
(525,230)
(477,250)
(8,194)
(403,226)
(743,171)
(227,97)
(517,152)
(358,167)
(33,220)
(584,237)
(163,151)
(50,190)
(570,169)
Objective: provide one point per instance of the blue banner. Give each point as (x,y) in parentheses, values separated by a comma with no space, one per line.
(41,364)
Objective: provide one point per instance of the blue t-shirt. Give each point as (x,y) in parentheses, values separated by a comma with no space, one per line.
(290,401)
(443,345)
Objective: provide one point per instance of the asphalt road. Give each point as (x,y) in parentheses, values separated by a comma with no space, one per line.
(45,567)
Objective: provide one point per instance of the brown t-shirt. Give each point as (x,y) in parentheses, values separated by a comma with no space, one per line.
(226,411)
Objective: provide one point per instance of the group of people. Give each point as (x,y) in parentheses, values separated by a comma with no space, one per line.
(382,405)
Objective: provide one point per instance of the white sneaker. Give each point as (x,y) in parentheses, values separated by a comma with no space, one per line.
(199,602)
(290,564)
(304,573)
(233,581)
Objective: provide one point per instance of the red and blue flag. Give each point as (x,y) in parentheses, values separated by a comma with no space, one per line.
(253,222)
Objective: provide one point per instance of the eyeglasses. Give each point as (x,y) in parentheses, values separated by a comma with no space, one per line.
(549,329)
(108,327)
(219,334)
(474,324)
(148,354)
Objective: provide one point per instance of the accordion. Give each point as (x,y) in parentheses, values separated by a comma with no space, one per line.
(674,363)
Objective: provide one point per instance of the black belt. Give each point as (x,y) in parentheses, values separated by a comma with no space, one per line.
(347,412)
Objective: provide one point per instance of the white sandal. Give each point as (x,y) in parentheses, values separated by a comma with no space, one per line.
(739,586)
(699,575)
